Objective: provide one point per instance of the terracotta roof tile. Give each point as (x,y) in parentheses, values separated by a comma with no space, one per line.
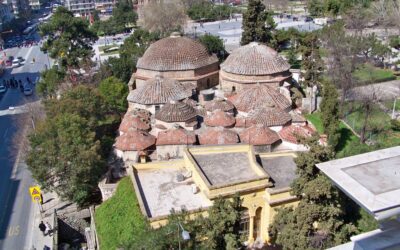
(159,90)
(133,120)
(259,135)
(269,117)
(218,136)
(219,118)
(176,136)
(176,111)
(258,96)
(242,122)
(296,117)
(176,53)
(134,140)
(254,59)
(289,133)
(219,103)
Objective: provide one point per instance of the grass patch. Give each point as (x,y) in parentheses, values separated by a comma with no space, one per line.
(119,219)
(315,119)
(389,104)
(104,49)
(370,74)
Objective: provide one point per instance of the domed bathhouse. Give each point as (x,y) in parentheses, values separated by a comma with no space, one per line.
(156,92)
(180,58)
(252,63)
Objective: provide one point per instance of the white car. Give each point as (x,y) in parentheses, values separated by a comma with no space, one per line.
(2,89)
(28,91)
(16,63)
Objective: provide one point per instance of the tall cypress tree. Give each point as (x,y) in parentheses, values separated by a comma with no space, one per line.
(330,113)
(257,24)
(312,64)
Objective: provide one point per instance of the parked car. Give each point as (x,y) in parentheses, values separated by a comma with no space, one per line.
(21,59)
(3,89)
(16,63)
(28,91)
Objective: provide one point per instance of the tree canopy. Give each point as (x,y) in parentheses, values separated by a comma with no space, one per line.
(257,24)
(49,82)
(214,45)
(330,113)
(69,148)
(114,92)
(69,39)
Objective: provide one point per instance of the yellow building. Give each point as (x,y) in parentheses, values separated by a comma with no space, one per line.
(205,173)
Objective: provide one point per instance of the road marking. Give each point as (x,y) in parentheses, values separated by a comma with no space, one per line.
(13,231)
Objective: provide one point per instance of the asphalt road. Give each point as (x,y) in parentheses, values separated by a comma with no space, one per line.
(16,207)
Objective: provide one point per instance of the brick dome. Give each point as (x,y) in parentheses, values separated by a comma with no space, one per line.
(254,59)
(259,95)
(290,133)
(219,103)
(134,140)
(159,90)
(176,111)
(133,120)
(176,136)
(269,116)
(175,53)
(219,118)
(259,135)
(218,136)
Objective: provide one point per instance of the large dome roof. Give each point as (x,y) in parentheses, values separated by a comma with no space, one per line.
(175,53)
(159,90)
(255,59)
(259,96)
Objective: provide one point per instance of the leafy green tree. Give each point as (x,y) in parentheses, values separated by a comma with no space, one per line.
(315,7)
(121,67)
(394,42)
(312,63)
(69,39)
(257,23)
(330,113)
(214,45)
(222,226)
(292,57)
(49,82)
(114,92)
(319,219)
(69,148)
(65,157)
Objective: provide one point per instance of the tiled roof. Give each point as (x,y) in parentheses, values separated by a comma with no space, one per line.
(159,90)
(258,96)
(176,136)
(219,118)
(133,120)
(296,117)
(134,140)
(175,53)
(243,122)
(176,111)
(218,136)
(289,133)
(254,59)
(269,116)
(219,103)
(259,135)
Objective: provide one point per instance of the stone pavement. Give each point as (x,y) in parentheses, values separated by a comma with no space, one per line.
(51,203)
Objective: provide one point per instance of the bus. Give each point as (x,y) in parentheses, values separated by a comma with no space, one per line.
(30,29)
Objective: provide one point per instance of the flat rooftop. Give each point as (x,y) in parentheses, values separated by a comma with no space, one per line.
(371,179)
(281,169)
(226,168)
(161,192)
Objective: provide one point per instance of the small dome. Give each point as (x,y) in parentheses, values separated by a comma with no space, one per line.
(159,90)
(269,117)
(134,140)
(255,59)
(176,136)
(219,118)
(259,135)
(259,95)
(219,103)
(176,111)
(290,133)
(132,120)
(176,53)
(218,136)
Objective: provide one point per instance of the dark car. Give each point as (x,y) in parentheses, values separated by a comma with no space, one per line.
(308,19)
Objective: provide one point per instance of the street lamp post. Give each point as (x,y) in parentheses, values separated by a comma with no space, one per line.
(185,235)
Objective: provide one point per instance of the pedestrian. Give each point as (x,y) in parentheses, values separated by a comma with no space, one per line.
(48,229)
(42,228)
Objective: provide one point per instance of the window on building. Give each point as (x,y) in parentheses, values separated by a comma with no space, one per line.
(244,223)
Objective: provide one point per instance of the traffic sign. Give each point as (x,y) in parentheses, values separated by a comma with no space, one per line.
(35,194)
